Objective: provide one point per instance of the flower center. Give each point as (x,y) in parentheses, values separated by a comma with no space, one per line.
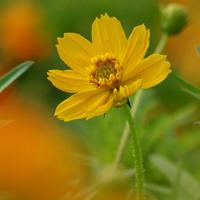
(105,71)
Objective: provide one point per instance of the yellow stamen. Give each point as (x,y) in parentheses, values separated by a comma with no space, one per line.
(105,71)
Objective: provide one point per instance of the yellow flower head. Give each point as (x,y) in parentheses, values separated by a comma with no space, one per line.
(106,71)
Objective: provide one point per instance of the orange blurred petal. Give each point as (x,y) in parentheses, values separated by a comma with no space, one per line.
(21,37)
(36,161)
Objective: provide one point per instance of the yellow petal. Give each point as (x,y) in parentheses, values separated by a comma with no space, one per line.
(108,35)
(69,81)
(93,109)
(75,51)
(151,70)
(127,90)
(104,108)
(76,106)
(135,48)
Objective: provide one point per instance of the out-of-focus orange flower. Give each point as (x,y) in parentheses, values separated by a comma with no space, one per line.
(21,37)
(180,48)
(35,161)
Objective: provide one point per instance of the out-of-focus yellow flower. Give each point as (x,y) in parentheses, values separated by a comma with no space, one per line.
(107,71)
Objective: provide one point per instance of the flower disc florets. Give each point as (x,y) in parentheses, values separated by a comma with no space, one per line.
(105,71)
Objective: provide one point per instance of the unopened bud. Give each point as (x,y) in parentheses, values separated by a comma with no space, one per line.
(174,18)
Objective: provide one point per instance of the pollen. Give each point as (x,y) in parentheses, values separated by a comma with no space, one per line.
(105,71)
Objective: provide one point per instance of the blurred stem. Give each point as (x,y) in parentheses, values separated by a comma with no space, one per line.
(138,96)
(137,154)
(161,44)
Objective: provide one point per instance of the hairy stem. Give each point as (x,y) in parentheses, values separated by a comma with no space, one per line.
(126,131)
(137,154)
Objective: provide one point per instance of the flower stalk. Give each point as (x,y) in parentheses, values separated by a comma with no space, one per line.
(137,154)
(162,43)
(126,131)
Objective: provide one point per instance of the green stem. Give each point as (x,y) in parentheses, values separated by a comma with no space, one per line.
(162,43)
(137,154)
(126,131)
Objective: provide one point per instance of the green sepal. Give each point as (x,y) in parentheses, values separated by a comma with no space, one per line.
(128,103)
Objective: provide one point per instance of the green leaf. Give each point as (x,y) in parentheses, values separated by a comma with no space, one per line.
(197,123)
(198,50)
(189,188)
(11,76)
(186,84)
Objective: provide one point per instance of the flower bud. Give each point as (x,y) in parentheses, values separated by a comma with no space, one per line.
(174,18)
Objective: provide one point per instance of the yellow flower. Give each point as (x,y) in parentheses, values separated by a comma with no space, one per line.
(107,71)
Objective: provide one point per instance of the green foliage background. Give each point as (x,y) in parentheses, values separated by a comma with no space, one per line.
(165,117)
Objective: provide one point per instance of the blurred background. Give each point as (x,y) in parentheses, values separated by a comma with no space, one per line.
(44,158)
